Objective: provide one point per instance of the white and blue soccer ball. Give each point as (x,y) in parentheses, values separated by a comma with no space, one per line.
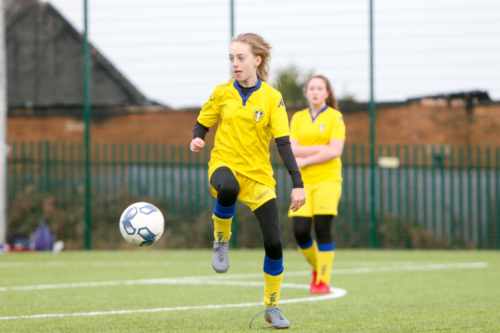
(142,224)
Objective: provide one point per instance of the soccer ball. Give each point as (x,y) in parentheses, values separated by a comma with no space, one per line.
(142,224)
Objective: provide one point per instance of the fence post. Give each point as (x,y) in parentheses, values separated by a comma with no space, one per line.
(443,193)
(415,186)
(354,186)
(425,220)
(373,240)
(86,113)
(363,229)
(489,233)
(181,179)
(469,194)
(433,190)
(461,192)
(397,152)
(407,183)
(480,242)
(172,180)
(497,197)
(197,181)
(452,195)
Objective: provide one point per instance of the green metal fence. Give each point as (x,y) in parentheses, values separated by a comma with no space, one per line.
(446,196)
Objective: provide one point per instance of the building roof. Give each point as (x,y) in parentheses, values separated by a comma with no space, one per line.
(44,61)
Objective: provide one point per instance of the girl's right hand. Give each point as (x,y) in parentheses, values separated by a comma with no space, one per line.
(298,198)
(196,145)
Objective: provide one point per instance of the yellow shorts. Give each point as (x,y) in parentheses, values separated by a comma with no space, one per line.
(252,193)
(321,199)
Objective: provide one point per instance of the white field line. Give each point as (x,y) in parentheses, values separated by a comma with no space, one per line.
(361,270)
(214,279)
(64,264)
(188,281)
(184,281)
(336,293)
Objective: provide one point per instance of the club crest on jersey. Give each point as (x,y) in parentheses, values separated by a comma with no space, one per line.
(321,127)
(258,115)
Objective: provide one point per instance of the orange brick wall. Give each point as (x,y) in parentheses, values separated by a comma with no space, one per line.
(412,124)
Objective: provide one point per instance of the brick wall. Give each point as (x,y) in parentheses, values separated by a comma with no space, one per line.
(411,124)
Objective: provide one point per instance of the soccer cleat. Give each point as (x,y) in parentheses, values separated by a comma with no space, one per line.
(274,316)
(313,281)
(321,288)
(220,260)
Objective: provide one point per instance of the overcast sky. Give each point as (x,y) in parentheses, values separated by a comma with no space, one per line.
(175,52)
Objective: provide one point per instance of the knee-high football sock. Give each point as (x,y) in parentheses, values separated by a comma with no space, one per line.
(310,251)
(273,275)
(222,222)
(326,253)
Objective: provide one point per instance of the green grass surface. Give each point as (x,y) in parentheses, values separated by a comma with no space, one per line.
(387,291)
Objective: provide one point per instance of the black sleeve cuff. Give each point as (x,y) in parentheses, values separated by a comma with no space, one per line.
(286,153)
(199,131)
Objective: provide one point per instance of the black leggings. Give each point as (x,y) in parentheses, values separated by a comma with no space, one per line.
(227,187)
(322,227)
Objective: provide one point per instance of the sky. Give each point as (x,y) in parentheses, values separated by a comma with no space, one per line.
(175,52)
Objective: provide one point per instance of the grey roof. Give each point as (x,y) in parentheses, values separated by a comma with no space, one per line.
(44,61)
(7,4)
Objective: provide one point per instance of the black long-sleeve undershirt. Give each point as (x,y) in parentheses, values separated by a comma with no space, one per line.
(200,131)
(284,149)
(286,153)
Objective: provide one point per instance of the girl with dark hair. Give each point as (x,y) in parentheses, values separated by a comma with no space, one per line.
(317,135)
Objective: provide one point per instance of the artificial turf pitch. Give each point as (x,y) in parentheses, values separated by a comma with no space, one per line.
(387,291)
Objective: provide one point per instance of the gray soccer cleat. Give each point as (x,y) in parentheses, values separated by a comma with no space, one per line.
(220,260)
(274,316)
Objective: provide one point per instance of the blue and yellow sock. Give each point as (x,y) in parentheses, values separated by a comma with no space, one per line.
(310,251)
(222,221)
(326,253)
(273,275)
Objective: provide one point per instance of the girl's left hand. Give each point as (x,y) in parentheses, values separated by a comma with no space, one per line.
(298,198)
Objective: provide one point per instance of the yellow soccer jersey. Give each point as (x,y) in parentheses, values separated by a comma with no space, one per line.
(327,125)
(245,128)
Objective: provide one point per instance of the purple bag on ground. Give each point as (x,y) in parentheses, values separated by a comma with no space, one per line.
(43,238)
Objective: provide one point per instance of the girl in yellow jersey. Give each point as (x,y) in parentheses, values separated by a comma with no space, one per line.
(317,135)
(249,112)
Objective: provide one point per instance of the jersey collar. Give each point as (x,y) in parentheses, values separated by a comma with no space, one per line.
(314,118)
(243,97)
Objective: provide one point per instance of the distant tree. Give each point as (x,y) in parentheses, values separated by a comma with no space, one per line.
(290,82)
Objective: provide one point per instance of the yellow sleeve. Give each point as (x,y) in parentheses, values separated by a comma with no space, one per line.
(279,119)
(210,112)
(338,127)
(294,127)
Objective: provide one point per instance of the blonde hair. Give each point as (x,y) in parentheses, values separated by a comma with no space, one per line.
(330,100)
(259,48)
